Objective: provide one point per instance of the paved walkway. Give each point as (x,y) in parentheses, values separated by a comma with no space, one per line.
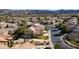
(25,45)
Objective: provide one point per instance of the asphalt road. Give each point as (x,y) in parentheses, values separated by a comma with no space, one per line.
(58,38)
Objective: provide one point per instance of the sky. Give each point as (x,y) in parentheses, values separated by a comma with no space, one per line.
(39,4)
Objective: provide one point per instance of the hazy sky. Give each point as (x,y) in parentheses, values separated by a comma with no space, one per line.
(39,4)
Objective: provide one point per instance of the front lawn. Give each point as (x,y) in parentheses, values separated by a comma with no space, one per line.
(43,37)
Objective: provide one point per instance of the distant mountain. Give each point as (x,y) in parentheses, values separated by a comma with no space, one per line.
(54,11)
(4,11)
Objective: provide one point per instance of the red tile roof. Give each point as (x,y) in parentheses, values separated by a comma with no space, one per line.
(4,37)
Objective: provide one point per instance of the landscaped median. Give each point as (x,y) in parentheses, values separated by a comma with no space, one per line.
(66,43)
(71,43)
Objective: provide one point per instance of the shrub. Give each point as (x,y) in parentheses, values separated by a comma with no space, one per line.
(57,46)
(10,43)
(43,37)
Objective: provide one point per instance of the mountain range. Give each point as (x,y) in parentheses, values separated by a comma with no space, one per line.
(3,11)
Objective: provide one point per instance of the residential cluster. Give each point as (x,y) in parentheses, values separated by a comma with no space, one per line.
(32,31)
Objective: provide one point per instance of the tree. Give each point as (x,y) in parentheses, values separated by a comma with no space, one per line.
(63,28)
(22,31)
(39,19)
(10,43)
(10,32)
(57,46)
(60,26)
(30,19)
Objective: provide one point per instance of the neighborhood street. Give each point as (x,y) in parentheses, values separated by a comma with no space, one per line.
(58,39)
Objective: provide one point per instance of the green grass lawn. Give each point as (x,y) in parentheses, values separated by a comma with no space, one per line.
(43,37)
(74,41)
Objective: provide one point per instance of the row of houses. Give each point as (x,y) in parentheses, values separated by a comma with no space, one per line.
(4,29)
(36,28)
(73,25)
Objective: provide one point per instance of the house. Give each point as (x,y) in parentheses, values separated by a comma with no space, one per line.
(39,26)
(29,23)
(73,24)
(4,38)
(6,27)
(37,29)
(34,19)
(73,21)
(76,28)
(12,25)
(3,24)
